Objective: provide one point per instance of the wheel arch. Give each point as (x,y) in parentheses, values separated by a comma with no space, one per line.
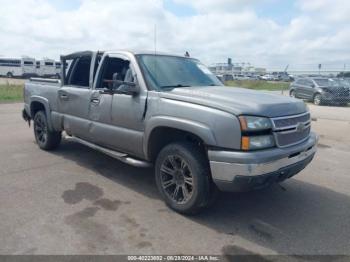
(163,131)
(38,103)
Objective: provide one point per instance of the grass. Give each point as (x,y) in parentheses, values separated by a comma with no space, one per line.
(259,85)
(11,93)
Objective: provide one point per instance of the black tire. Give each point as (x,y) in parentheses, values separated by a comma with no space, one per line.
(9,75)
(317,99)
(195,170)
(45,139)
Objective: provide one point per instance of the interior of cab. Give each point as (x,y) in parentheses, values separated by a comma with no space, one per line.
(114,72)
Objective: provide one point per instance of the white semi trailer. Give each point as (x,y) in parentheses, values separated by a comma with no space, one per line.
(46,68)
(17,67)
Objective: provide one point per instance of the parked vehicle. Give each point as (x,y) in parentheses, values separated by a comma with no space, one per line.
(172,112)
(225,77)
(320,90)
(267,77)
(17,67)
(46,68)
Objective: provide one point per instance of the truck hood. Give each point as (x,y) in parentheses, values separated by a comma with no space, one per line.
(238,101)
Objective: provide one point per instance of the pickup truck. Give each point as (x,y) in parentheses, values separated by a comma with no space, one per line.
(170,112)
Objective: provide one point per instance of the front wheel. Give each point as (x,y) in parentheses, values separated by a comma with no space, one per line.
(45,138)
(317,99)
(9,75)
(183,177)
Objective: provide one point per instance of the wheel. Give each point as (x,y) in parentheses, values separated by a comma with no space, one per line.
(45,139)
(292,94)
(9,75)
(183,178)
(317,99)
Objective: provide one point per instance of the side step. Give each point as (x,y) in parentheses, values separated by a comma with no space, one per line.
(115,154)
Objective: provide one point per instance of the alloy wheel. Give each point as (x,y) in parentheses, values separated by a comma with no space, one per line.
(176,179)
(40,129)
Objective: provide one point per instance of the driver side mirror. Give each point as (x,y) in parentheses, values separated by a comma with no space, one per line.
(128,88)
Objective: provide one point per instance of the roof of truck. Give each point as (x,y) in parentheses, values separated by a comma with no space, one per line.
(135,52)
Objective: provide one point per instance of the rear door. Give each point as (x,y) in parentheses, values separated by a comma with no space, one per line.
(309,89)
(74,97)
(300,88)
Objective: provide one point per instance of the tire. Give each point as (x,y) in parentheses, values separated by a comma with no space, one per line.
(9,75)
(45,139)
(317,100)
(183,167)
(292,94)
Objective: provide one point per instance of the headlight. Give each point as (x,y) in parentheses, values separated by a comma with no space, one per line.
(257,142)
(254,123)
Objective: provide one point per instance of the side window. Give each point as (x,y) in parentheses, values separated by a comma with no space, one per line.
(302,82)
(79,72)
(114,71)
(308,83)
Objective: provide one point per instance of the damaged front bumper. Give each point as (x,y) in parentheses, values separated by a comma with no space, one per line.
(244,171)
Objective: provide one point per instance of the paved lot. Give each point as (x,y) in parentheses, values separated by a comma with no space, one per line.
(78,201)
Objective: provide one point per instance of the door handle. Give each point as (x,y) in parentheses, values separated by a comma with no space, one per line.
(95,100)
(64,96)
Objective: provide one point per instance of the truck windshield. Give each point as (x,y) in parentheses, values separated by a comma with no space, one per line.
(163,72)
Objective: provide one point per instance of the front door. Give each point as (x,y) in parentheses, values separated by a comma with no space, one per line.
(117,119)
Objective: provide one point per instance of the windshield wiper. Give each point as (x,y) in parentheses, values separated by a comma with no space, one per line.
(174,86)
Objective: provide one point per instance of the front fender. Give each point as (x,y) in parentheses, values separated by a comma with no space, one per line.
(196,128)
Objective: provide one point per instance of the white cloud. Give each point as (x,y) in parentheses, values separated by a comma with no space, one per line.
(223,28)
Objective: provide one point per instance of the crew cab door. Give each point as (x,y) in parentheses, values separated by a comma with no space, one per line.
(75,95)
(117,119)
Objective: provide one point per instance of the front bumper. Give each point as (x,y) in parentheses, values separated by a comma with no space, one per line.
(327,98)
(244,171)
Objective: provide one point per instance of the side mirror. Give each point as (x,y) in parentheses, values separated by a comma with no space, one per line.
(128,88)
(312,85)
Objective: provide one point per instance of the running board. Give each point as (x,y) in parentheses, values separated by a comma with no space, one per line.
(115,154)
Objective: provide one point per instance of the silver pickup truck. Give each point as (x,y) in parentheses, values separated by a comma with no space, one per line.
(172,113)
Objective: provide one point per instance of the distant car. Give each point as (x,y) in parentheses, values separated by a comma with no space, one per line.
(321,90)
(225,77)
(267,77)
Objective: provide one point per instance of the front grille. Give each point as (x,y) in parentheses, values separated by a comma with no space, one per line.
(291,130)
(291,138)
(284,122)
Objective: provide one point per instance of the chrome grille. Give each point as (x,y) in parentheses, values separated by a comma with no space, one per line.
(291,121)
(291,130)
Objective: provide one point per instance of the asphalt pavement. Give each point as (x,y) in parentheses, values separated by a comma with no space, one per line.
(78,201)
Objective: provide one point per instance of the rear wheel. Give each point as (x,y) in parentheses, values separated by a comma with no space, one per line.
(45,139)
(292,93)
(183,177)
(317,99)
